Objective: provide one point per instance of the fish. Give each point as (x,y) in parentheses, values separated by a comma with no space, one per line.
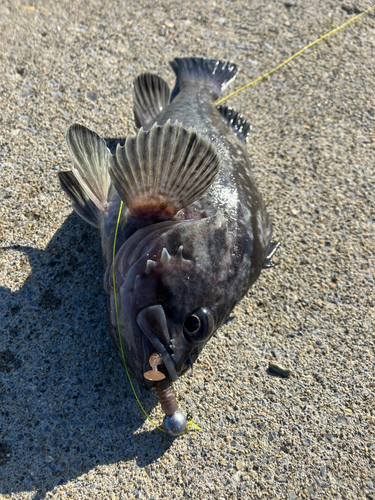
(193,235)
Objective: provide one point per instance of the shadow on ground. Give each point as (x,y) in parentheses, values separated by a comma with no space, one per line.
(65,402)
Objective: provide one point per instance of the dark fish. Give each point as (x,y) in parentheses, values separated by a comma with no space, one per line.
(194,235)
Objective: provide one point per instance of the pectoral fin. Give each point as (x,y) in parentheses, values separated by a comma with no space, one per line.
(159,172)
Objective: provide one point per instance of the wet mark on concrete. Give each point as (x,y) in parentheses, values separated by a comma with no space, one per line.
(8,361)
(5,453)
(49,300)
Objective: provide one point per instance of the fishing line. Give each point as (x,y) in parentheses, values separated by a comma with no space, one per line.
(295,55)
(191,423)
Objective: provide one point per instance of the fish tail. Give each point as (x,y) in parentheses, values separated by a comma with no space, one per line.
(217,75)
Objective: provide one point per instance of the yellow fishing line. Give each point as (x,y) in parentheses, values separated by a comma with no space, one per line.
(191,423)
(118,322)
(295,55)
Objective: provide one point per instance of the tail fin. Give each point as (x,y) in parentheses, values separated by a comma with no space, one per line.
(216,75)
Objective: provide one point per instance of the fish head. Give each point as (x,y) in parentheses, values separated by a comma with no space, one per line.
(172,298)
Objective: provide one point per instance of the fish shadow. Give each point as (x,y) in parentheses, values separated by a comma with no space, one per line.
(65,402)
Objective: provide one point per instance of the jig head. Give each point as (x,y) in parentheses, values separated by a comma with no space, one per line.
(174,421)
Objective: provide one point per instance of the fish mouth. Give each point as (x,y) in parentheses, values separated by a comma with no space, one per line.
(153,324)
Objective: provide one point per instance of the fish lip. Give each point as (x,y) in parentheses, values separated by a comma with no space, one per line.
(145,320)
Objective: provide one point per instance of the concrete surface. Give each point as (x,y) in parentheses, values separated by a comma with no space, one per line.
(69,425)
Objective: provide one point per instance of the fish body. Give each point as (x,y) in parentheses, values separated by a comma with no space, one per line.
(193,235)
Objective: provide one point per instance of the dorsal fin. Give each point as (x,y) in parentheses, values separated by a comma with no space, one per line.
(82,204)
(236,122)
(161,171)
(90,157)
(216,75)
(151,95)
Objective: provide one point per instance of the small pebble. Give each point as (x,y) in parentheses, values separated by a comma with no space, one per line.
(92,96)
(279,370)
(342,420)
(272,436)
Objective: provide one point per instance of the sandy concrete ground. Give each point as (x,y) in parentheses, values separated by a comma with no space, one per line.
(69,426)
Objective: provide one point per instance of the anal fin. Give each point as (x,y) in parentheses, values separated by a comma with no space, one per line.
(82,204)
(160,171)
(151,95)
(236,122)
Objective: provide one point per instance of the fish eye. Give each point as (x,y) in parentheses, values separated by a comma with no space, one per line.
(198,325)
(192,324)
